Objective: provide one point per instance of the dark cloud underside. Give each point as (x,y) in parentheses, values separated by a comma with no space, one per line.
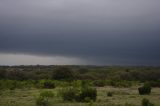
(103,31)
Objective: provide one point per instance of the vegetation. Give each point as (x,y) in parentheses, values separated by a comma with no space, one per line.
(86,94)
(80,72)
(110,94)
(69,94)
(63,73)
(79,86)
(99,83)
(145,89)
(47,94)
(41,101)
(146,102)
(47,84)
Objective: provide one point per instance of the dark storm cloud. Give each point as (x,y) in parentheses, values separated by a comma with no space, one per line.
(105,31)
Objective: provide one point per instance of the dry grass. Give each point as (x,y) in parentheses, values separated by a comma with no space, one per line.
(121,96)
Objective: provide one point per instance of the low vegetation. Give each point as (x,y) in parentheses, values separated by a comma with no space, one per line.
(145,89)
(146,102)
(109,94)
(42,101)
(79,86)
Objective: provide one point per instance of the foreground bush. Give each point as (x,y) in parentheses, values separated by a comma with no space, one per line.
(69,94)
(80,95)
(88,93)
(145,89)
(146,102)
(41,101)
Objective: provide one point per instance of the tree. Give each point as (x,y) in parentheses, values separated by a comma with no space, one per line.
(2,74)
(63,73)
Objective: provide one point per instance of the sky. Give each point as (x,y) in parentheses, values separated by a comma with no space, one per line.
(80,32)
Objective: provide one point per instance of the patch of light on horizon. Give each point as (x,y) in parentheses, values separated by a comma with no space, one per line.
(23,59)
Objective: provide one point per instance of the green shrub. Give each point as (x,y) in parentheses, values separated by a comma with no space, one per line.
(80,95)
(12,84)
(77,83)
(145,89)
(146,102)
(41,101)
(63,73)
(109,94)
(47,84)
(87,99)
(99,83)
(88,92)
(85,83)
(69,94)
(47,94)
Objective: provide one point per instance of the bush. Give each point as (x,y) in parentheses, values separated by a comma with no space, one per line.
(145,89)
(109,94)
(85,83)
(69,94)
(88,93)
(47,84)
(47,94)
(99,83)
(11,84)
(146,102)
(41,101)
(76,83)
(2,74)
(63,73)
(14,84)
(80,95)
(87,99)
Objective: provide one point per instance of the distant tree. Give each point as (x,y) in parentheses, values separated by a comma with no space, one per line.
(16,75)
(2,74)
(83,70)
(63,73)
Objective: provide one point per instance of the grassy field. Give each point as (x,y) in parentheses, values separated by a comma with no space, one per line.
(120,97)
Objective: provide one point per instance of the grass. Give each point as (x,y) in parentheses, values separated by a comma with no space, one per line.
(121,96)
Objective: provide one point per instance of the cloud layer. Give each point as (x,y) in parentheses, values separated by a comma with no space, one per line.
(103,31)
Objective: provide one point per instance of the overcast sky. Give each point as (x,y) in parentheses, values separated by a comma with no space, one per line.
(100,32)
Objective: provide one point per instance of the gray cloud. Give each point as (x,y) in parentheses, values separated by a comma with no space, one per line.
(104,31)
